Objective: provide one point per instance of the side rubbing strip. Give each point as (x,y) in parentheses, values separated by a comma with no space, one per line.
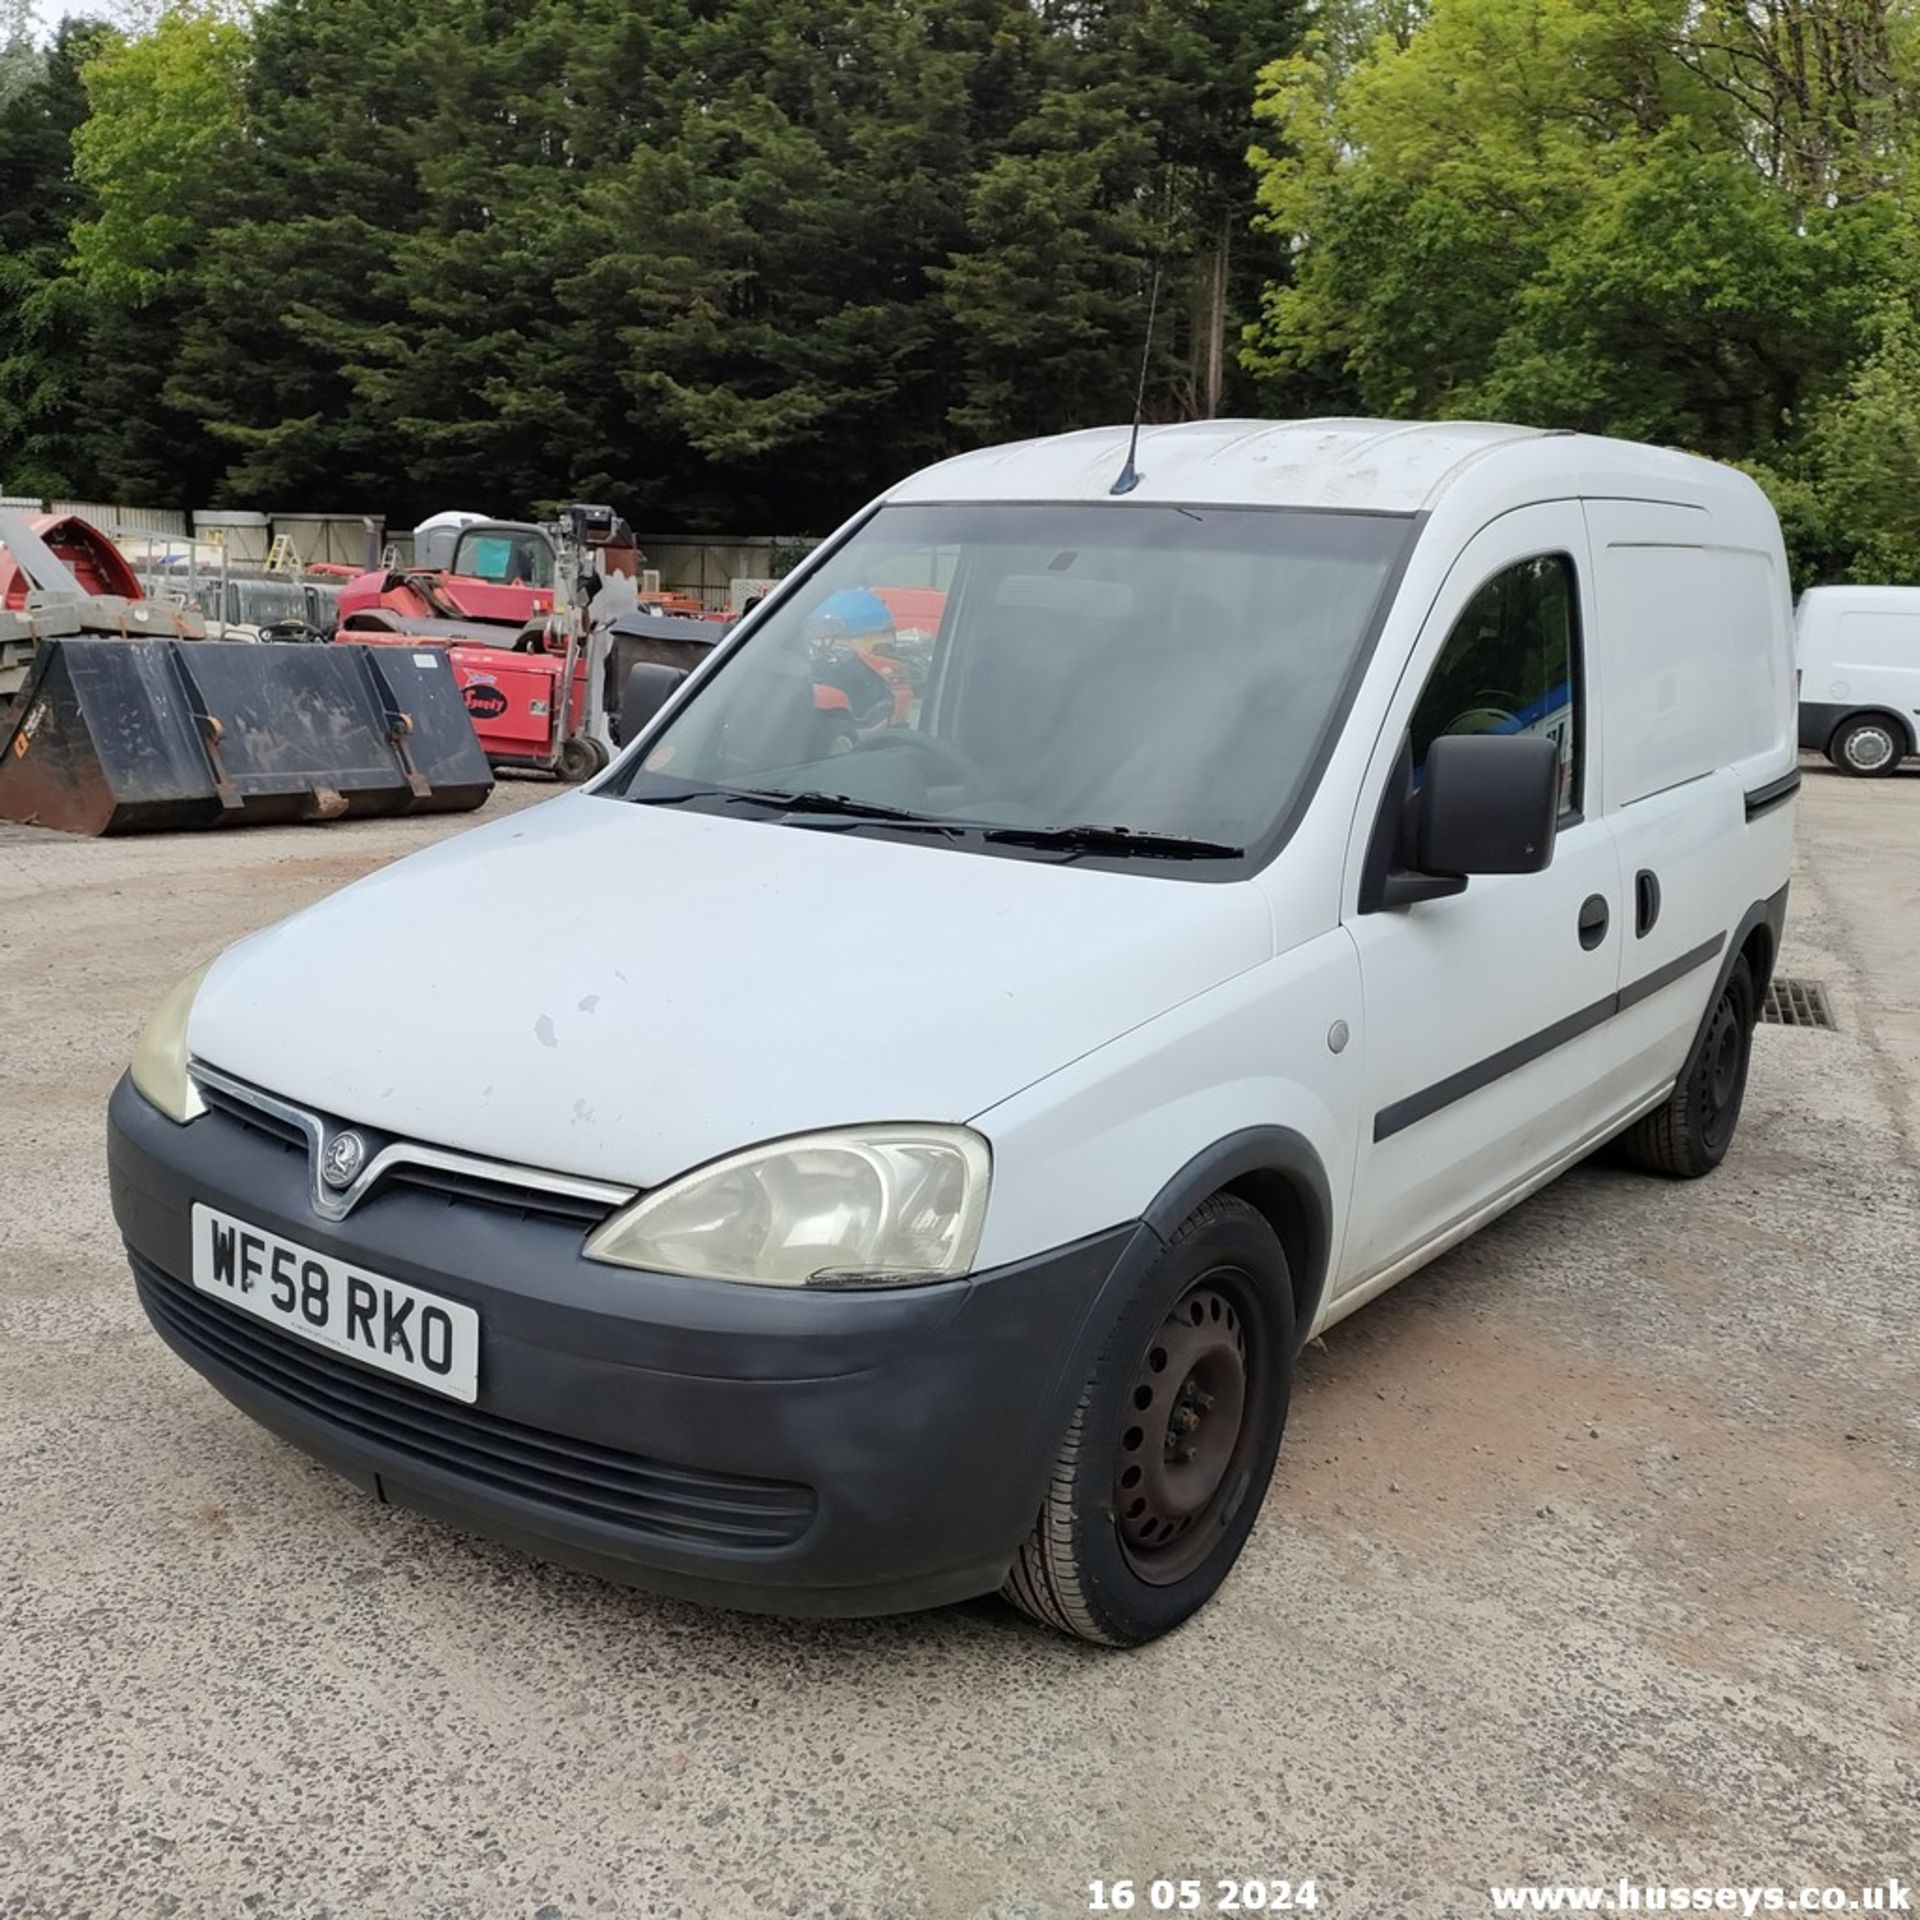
(1774,794)
(1650,983)
(1456,1086)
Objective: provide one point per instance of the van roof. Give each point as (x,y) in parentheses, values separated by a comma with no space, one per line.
(1390,466)
(1864,599)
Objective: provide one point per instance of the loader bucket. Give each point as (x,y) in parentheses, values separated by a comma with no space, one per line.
(142,736)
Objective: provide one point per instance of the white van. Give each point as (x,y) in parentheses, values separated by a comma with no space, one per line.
(1096,926)
(1859,653)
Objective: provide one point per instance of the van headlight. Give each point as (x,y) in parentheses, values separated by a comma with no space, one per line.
(886,1206)
(159,1065)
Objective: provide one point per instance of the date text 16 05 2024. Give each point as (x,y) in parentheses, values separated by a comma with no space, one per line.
(1166,1895)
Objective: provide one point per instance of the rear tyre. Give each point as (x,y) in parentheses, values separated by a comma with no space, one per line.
(1690,1135)
(1168,1454)
(1870,745)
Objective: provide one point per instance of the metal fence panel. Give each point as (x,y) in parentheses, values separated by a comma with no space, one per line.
(108,519)
(702,565)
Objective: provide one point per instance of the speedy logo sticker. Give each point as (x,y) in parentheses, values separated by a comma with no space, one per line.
(485,703)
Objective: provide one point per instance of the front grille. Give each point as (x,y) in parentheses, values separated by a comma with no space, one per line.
(455,1186)
(531,1202)
(1796,1003)
(255,1119)
(647,1498)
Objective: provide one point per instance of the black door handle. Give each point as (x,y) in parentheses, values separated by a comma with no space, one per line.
(1646,903)
(1593,921)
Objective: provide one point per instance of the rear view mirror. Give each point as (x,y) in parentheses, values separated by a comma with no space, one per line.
(1489,804)
(649,687)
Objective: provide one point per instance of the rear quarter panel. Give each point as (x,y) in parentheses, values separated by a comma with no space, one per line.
(1694,617)
(1696,623)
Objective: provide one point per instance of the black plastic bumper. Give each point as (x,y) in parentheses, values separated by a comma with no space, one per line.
(785,1450)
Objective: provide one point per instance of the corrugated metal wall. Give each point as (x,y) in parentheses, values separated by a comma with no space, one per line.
(702,564)
(106,518)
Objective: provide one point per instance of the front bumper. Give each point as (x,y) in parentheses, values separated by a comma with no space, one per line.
(783,1450)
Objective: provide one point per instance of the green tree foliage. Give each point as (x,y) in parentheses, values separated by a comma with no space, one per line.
(160,140)
(283,356)
(1127,164)
(155,155)
(1681,220)
(1863,458)
(720,263)
(745,262)
(1048,309)
(43,312)
(769,263)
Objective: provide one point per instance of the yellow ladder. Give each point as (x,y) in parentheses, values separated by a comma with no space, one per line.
(282,558)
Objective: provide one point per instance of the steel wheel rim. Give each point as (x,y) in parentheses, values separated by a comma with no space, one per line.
(1180,1467)
(1723,1060)
(1869,748)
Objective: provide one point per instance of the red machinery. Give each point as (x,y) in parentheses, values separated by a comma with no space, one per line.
(94,561)
(526,671)
(500,574)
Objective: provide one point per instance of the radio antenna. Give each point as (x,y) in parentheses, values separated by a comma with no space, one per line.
(1130,474)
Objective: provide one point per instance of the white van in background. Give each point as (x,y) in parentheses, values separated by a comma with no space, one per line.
(1859,654)
(935,1122)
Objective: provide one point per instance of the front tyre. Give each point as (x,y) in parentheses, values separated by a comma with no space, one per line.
(1169,1451)
(1690,1135)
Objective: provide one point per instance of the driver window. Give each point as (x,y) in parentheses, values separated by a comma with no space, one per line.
(1512,665)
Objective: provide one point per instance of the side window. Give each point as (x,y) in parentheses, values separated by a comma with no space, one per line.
(1512,665)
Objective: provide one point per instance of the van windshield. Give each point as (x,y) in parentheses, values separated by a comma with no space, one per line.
(1119,681)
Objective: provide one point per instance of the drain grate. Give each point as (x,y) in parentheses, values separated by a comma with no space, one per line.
(1796,1003)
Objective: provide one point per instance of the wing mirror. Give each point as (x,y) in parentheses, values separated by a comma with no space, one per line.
(1486,803)
(1491,803)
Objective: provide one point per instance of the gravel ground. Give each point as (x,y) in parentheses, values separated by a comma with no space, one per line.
(1592,1551)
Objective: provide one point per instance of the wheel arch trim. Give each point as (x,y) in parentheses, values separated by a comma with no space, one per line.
(1768,916)
(1277,1172)
(1251,1161)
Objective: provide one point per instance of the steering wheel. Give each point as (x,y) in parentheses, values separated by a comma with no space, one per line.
(954,761)
(1472,720)
(1492,712)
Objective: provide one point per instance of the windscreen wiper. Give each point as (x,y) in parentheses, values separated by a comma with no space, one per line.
(840,803)
(1122,840)
(815,802)
(673,799)
(845,806)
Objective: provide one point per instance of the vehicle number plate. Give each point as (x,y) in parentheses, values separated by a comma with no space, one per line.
(382,1323)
